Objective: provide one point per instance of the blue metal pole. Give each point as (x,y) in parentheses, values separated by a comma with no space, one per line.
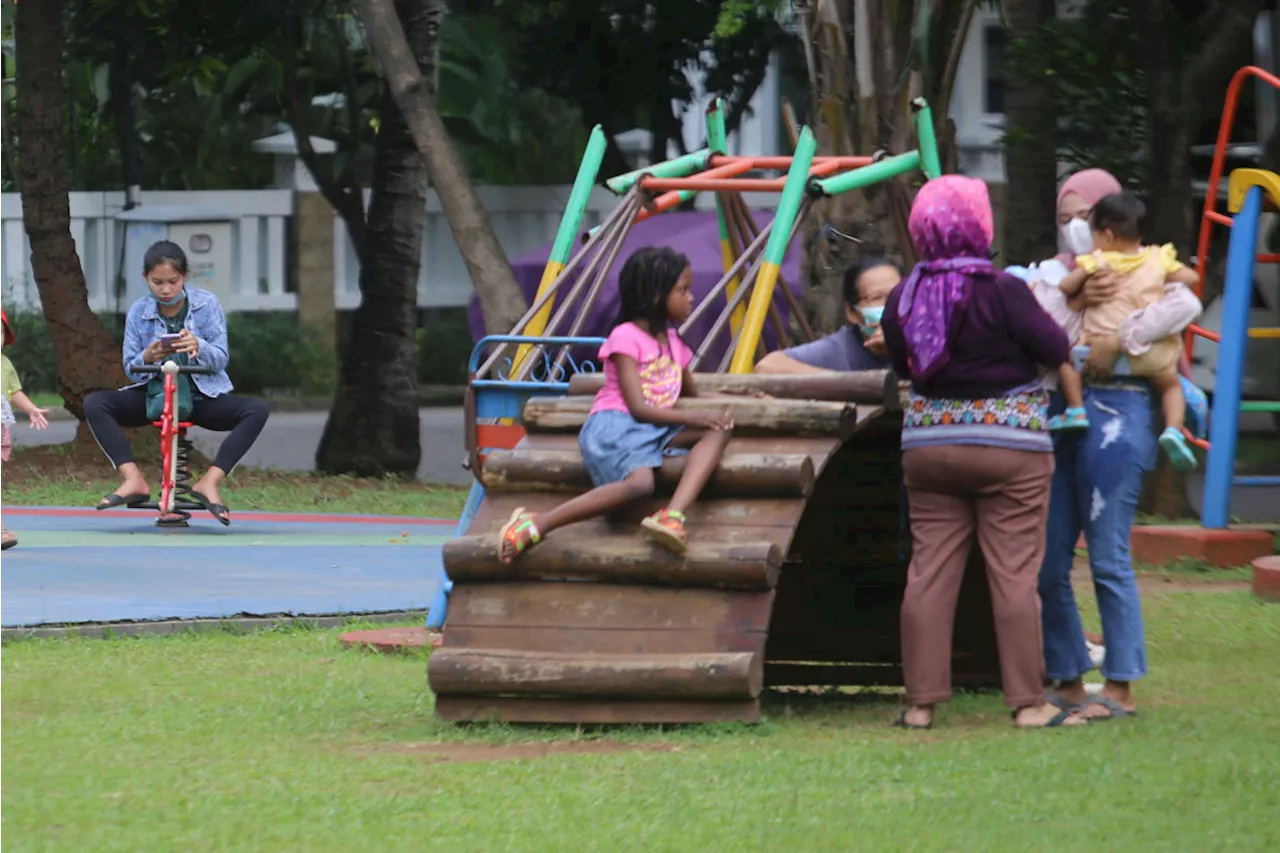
(440,604)
(1225,418)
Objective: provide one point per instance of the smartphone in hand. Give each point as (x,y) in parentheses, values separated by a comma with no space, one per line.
(167,341)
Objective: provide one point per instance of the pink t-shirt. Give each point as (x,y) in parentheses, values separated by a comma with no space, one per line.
(661,367)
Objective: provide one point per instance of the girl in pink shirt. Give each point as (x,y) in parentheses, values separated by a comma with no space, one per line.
(633,423)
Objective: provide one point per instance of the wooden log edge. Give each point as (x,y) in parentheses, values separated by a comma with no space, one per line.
(751,416)
(738,474)
(861,386)
(629,560)
(505,672)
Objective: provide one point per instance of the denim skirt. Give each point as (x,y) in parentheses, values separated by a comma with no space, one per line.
(614,444)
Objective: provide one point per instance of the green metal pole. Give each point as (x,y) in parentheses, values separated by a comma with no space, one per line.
(774,251)
(930,164)
(718,142)
(570,223)
(680,167)
(881,170)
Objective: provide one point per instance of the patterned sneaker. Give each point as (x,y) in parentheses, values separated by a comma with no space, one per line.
(7,539)
(1075,418)
(1176,448)
(666,527)
(518,535)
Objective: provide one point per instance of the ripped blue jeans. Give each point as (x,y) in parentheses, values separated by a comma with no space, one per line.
(1097,481)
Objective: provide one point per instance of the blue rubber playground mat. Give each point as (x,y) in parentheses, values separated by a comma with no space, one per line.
(82,566)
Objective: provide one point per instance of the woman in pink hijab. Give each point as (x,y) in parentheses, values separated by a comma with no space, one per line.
(1098,474)
(1078,195)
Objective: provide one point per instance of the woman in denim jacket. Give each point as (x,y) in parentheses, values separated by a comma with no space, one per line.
(194,315)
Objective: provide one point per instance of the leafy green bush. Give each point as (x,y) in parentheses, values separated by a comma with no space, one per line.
(272,354)
(32,351)
(443,343)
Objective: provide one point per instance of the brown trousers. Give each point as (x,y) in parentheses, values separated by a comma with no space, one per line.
(955,491)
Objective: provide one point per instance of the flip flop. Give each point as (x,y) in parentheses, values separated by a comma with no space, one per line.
(114,500)
(901,723)
(219,511)
(1116,711)
(1055,721)
(1055,699)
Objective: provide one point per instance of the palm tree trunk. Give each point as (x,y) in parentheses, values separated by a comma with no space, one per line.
(500,297)
(88,358)
(373,427)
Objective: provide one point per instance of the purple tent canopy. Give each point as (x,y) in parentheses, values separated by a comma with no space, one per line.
(695,234)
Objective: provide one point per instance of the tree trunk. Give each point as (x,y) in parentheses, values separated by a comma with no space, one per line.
(373,427)
(1030,149)
(878,117)
(500,298)
(88,358)
(1184,91)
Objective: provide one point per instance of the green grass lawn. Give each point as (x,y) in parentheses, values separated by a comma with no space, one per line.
(283,741)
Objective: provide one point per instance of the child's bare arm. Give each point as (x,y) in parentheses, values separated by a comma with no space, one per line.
(633,396)
(1074,282)
(24,404)
(1186,276)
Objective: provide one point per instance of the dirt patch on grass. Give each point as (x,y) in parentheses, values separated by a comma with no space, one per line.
(478,752)
(82,461)
(1159,583)
(1148,583)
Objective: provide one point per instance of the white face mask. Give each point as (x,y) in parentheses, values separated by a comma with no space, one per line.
(1077,237)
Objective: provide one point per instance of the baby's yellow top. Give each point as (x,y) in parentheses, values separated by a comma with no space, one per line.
(9,382)
(1123,262)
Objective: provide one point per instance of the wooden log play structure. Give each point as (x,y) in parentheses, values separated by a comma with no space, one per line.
(795,566)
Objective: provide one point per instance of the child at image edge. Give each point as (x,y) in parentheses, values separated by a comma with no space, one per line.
(1116,222)
(633,423)
(11,395)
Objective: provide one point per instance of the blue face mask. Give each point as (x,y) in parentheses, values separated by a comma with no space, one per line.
(169,303)
(871,317)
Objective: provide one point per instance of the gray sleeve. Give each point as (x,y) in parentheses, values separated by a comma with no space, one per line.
(826,353)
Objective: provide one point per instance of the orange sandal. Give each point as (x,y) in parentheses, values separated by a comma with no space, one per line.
(666,527)
(518,535)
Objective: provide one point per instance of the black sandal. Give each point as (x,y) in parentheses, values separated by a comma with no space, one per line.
(113,500)
(219,511)
(1056,721)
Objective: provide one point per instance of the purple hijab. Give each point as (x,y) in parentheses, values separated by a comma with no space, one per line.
(951,225)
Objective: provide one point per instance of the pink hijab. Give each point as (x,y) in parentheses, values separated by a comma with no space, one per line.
(1091,185)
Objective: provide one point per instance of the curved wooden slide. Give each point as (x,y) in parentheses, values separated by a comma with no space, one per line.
(793,574)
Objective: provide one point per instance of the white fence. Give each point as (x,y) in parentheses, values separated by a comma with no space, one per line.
(522,217)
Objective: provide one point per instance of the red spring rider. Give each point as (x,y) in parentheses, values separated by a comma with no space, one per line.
(175,504)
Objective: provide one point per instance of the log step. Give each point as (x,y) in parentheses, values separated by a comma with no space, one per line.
(738,474)
(863,386)
(626,558)
(751,416)
(498,672)
(595,711)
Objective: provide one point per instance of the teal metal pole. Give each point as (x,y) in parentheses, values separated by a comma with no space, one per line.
(929,162)
(774,251)
(680,167)
(881,170)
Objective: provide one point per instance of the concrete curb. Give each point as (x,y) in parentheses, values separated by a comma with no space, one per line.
(233,624)
(429,396)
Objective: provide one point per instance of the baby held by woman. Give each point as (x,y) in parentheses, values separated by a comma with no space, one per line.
(1116,223)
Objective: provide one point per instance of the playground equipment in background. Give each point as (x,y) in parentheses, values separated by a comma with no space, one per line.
(175,505)
(1248,191)
(794,572)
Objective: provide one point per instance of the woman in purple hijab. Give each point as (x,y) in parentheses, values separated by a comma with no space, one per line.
(976,454)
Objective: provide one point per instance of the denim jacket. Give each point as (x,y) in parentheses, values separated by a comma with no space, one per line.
(205,320)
